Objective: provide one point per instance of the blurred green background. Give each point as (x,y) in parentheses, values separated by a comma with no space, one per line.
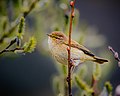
(96,25)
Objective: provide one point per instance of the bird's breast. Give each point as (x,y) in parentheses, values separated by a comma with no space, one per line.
(59,51)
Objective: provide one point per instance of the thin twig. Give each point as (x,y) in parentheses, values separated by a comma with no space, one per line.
(69,49)
(12,50)
(116,56)
(30,8)
(94,86)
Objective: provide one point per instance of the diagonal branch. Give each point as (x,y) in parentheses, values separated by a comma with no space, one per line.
(16,22)
(12,50)
(6,49)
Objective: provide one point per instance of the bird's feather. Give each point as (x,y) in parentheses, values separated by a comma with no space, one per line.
(74,44)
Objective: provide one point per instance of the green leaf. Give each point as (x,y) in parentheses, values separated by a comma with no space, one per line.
(64,69)
(21,28)
(30,45)
(83,84)
(108,87)
(97,72)
(57,85)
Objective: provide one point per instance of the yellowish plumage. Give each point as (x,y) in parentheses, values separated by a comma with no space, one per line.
(58,43)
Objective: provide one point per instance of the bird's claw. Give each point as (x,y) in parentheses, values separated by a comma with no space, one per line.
(72,61)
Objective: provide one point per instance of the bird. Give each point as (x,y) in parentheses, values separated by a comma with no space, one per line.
(58,44)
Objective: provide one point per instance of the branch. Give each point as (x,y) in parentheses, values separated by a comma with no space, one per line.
(12,50)
(30,8)
(116,56)
(16,22)
(28,47)
(70,65)
(94,86)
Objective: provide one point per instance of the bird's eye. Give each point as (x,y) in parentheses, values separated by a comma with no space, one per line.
(56,37)
(60,37)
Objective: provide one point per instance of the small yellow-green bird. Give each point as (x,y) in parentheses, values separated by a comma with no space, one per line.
(58,44)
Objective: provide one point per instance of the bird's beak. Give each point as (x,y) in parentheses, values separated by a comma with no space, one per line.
(48,34)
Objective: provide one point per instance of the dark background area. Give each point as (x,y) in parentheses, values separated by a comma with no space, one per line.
(105,14)
(30,75)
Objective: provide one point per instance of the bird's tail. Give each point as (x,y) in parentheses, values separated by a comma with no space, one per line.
(99,60)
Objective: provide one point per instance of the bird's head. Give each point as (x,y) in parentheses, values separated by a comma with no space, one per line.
(57,35)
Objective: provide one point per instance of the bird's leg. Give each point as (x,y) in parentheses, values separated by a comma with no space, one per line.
(73,68)
(73,64)
(77,61)
(72,61)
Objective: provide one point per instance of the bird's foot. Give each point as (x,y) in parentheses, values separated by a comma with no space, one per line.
(72,62)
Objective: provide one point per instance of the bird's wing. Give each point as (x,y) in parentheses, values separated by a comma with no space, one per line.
(74,44)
